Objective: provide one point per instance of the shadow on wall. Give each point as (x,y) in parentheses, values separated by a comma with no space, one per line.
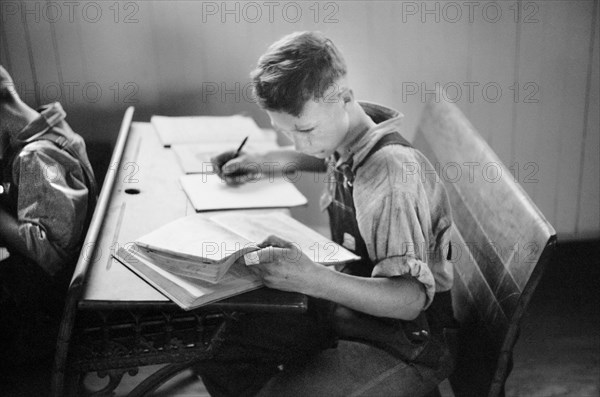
(99,129)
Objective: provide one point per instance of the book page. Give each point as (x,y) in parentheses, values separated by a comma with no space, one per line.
(209,192)
(237,276)
(194,237)
(211,272)
(205,129)
(257,227)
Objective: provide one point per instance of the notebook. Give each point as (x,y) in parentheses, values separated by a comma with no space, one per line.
(195,158)
(208,192)
(205,129)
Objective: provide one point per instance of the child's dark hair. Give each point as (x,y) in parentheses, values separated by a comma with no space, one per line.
(299,67)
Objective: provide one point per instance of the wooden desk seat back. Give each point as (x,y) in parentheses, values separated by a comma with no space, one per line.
(500,244)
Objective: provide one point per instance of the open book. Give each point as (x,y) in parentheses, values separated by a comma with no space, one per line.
(195,260)
(189,293)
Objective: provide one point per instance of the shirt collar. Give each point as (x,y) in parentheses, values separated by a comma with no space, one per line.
(387,120)
(50,116)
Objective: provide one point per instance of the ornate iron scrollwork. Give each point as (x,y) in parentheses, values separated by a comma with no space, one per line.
(115,343)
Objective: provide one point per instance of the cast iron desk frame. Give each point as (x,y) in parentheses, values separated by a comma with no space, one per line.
(114,322)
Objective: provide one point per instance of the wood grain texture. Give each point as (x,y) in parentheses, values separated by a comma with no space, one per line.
(588,212)
(502,242)
(544,60)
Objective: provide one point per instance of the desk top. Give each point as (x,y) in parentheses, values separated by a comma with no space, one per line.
(146,195)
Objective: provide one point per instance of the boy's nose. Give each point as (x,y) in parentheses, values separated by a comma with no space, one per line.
(300,143)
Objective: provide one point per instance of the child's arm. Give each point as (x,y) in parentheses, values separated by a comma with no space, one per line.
(396,297)
(9,233)
(52,206)
(281,266)
(268,164)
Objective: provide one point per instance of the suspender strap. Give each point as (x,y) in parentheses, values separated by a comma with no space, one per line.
(392,138)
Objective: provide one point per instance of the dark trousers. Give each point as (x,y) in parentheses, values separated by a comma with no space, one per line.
(289,355)
(259,345)
(30,311)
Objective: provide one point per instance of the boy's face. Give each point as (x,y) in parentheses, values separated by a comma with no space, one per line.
(319,130)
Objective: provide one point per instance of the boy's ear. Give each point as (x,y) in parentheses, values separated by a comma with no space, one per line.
(347,95)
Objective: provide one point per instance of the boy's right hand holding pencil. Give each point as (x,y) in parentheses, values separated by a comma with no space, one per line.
(236,167)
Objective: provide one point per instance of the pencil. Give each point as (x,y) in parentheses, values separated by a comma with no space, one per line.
(239,149)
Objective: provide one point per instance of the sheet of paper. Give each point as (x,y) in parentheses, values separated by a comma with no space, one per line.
(208,192)
(194,158)
(194,236)
(205,129)
(257,227)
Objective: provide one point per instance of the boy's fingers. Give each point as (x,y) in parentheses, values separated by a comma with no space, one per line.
(275,241)
(232,180)
(242,165)
(264,256)
(233,166)
(268,254)
(220,160)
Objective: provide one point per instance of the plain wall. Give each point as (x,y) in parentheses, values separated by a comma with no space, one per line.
(525,73)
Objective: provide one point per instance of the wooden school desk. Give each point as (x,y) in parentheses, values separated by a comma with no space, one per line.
(114,322)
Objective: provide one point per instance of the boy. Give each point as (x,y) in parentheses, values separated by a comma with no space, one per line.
(395,220)
(47,196)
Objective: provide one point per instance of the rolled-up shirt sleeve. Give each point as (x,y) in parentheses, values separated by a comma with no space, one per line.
(52,204)
(394,217)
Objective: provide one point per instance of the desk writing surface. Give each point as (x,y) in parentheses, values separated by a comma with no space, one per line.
(146,195)
(152,170)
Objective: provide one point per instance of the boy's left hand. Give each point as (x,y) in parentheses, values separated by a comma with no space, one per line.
(282,265)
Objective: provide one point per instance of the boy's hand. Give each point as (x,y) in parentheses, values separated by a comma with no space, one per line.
(282,265)
(236,170)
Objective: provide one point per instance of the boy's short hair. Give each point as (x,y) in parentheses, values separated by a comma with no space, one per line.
(299,67)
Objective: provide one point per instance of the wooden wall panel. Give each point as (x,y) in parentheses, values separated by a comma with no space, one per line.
(393,85)
(549,51)
(141,83)
(168,51)
(20,54)
(492,60)
(72,67)
(588,209)
(173,51)
(391,71)
(527,116)
(38,35)
(4,55)
(577,21)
